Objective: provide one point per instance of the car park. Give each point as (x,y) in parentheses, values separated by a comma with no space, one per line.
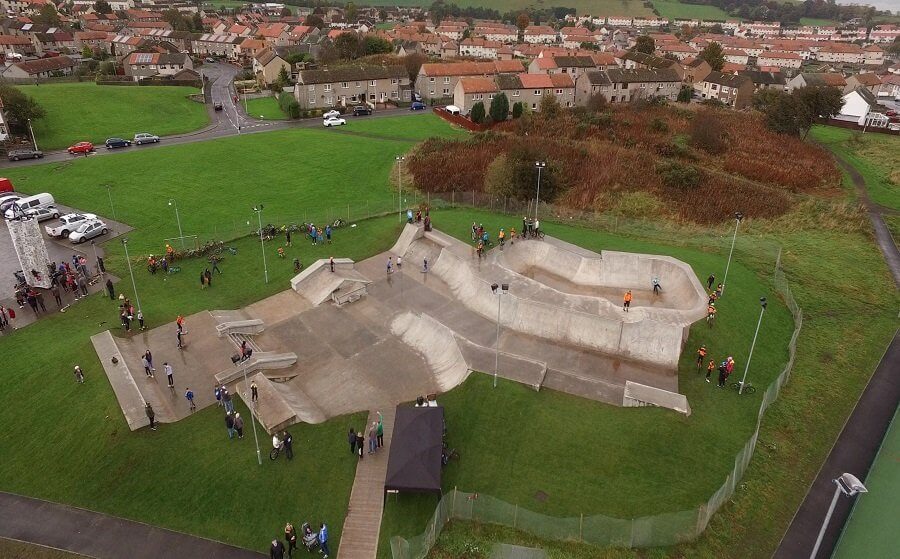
(145,138)
(28,153)
(417,106)
(360,110)
(329,122)
(43,214)
(67,224)
(332,114)
(88,230)
(217,106)
(81,147)
(112,143)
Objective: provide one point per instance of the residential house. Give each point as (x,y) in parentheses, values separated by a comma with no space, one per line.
(543,34)
(477,47)
(641,83)
(211,44)
(869,81)
(13,47)
(678,50)
(452,32)
(531,88)
(92,39)
(140,65)
(847,53)
(57,41)
(183,40)
(695,70)
(267,66)
(500,33)
(736,56)
(873,55)
(733,90)
(573,37)
(438,80)
(884,33)
(470,91)
(449,49)
(572,65)
(890,86)
(591,83)
(861,107)
(619,21)
(351,85)
(830,79)
(248,48)
(121,46)
(779,60)
(40,68)
(765,80)
(633,60)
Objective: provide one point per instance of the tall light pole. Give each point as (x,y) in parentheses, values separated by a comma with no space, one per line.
(173,203)
(130,271)
(499,291)
(847,484)
(33,138)
(738,217)
(262,245)
(762,310)
(252,417)
(539,165)
(97,259)
(111,206)
(400,159)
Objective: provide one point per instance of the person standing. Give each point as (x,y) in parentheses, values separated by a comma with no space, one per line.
(151,415)
(40,299)
(214,260)
(82,285)
(656,286)
(729,367)
(701,356)
(360,442)
(331,263)
(710,281)
(149,357)
(217,392)
(399,263)
(722,374)
(710,368)
(254,392)
(147,370)
(290,536)
(379,431)
(208,275)
(55,291)
(390,265)
(179,323)
(328,234)
(323,540)
(627,303)
(287,237)
(226,399)
(178,336)
(140,317)
(239,425)
(110,289)
(229,424)
(202,281)
(288,441)
(425,265)
(373,441)
(189,396)
(277,550)
(351,438)
(169,375)
(79,375)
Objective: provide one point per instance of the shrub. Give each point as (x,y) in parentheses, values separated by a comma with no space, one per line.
(550,106)
(708,133)
(638,204)
(499,108)
(678,175)
(597,103)
(478,114)
(659,125)
(517,109)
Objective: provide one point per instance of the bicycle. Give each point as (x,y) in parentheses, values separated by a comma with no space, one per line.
(273,454)
(748,388)
(173,270)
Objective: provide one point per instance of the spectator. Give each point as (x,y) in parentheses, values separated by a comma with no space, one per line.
(288,445)
(277,550)
(239,425)
(151,415)
(79,375)
(323,540)
(189,396)
(229,424)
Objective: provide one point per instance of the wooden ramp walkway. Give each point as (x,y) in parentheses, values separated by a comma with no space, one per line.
(359,538)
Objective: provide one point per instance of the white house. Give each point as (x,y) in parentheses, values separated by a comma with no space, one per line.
(779,59)
(858,105)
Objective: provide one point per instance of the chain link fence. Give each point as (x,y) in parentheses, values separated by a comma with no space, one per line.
(651,531)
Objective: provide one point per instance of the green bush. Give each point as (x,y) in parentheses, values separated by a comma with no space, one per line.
(517,109)
(659,125)
(679,175)
(478,114)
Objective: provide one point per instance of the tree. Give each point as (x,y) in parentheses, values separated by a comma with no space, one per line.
(350,12)
(314,20)
(717,29)
(284,78)
(19,107)
(645,44)
(894,49)
(685,93)
(48,15)
(713,55)
(347,45)
(197,22)
(550,106)
(286,12)
(499,110)
(102,7)
(785,114)
(517,109)
(764,98)
(523,21)
(438,12)
(820,102)
(413,62)
(376,45)
(477,115)
(382,15)
(107,68)
(597,103)
(87,51)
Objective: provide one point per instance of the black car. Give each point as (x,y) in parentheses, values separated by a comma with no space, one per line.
(217,106)
(17,154)
(361,111)
(117,143)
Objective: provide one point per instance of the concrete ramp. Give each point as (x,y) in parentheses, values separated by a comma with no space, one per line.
(638,395)
(318,283)
(272,412)
(437,344)
(262,361)
(410,233)
(247,326)
(126,389)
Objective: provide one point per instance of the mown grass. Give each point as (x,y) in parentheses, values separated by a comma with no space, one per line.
(265,108)
(417,128)
(592,7)
(111,111)
(672,9)
(11,549)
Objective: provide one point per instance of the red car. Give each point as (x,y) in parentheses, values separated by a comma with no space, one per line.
(81,147)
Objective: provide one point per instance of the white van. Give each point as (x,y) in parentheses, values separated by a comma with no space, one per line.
(452,109)
(43,200)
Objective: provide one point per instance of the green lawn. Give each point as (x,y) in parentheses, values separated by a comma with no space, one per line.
(265,108)
(674,9)
(876,156)
(413,128)
(87,111)
(11,549)
(592,7)
(817,21)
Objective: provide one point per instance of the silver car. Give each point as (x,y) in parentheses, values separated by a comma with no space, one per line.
(88,230)
(145,138)
(43,214)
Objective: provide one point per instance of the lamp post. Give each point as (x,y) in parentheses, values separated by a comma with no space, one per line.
(97,259)
(33,138)
(252,417)
(762,310)
(174,204)
(847,484)
(738,217)
(111,206)
(400,159)
(539,165)
(262,245)
(499,291)
(131,272)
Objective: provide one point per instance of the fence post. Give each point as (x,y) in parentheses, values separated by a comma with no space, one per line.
(348,214)
(581,528)
(516,516)
(453,503)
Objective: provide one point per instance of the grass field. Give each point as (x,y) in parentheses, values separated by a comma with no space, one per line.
(817,21)
(11,549)
(674,9)
(265,108)
(584,7)
(415,128)
(876,156)
(111,111)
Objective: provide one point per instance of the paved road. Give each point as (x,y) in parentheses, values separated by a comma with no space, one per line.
(101,536)
(231,121)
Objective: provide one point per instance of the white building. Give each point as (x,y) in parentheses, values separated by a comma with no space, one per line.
(779,59)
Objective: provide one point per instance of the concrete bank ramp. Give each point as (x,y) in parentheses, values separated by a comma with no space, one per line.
(317,283)
(126,389)
(410,233)
(437,344)
(261,361)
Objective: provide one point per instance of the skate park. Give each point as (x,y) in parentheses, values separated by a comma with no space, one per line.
(346,340)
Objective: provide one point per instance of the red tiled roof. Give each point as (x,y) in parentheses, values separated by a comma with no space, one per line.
(562,80)
(780,55)
(536,81)
(12,40)
(478,85)
(45,64)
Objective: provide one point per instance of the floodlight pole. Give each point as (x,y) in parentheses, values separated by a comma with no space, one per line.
(131,272)
(400,159)
(537,202)
(738,217)
(849,486)
(252,418)
(172,202)
(111,206)
(33,138)
(498,290)
(762,310)
(262,244)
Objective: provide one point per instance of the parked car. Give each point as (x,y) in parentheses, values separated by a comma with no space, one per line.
(17,154)
(210,60)
(217,106)
(6,185)
(145,138)
(452,109)
(891,113)
(67,224)
(332,114)
(117,143)
(43,214)
(88,230)
(23,205)
(329,122)
(81,147)
(417,106)
(8,201)
(360,110)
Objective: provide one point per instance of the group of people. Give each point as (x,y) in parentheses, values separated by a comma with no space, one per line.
(357,439)
(725,368)
(482,239)
(316,234)
(309,538)
(711,310)
(128,315)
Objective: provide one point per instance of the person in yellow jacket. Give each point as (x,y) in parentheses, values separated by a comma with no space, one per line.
(627,302)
